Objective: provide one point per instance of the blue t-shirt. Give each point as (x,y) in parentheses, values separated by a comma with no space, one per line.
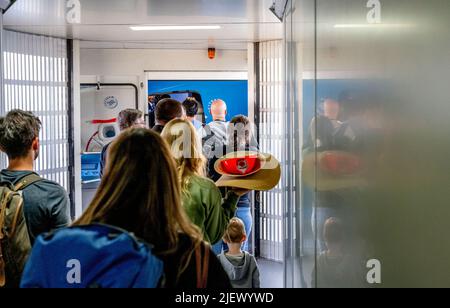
(46,205)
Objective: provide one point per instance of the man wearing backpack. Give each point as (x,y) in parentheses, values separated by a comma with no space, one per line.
(214,136)
(45,203)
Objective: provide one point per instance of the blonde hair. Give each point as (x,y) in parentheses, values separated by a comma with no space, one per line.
(235,231)
(185,146)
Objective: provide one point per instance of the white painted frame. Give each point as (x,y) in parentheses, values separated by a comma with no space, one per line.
(196,75)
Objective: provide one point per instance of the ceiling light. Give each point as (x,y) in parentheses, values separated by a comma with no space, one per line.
(370,26)
(171,28)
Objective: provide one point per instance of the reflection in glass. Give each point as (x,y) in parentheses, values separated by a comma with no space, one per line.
(370,127)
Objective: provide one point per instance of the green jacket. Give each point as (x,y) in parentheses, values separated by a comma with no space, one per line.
(206,208)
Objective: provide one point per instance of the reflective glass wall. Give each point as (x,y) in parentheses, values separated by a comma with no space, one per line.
(368,126)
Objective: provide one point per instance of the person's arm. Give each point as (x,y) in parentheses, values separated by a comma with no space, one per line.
(218,213)
(60,208)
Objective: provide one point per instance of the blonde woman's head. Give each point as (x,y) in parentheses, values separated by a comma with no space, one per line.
(185,145)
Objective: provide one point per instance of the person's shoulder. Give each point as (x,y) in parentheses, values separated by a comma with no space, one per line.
(250,256)
(203,182)
(186,243)
(49,187)
(221,256)
(184,240)
(46,194)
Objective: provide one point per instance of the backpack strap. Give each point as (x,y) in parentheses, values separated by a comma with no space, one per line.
(2,268)
(202,269)
(10,196)
(5,200)
(22,184)
(205,267)
(27,181)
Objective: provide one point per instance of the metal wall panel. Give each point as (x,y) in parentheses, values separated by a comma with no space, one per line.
(271,130)
(35,79)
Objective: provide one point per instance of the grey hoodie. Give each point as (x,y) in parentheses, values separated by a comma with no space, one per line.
(242,271)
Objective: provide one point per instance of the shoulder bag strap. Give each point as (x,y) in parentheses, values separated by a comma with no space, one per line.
(27,181)
(202,267)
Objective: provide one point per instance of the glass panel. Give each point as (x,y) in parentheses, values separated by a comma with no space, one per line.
(300,244)
(373,78)
(271,132)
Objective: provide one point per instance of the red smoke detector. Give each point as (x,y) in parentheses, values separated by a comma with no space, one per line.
(211,53)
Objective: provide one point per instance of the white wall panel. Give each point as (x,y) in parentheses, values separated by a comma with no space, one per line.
(271,133)
(35,79)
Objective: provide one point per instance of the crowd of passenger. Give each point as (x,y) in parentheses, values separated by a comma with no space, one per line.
(153,188)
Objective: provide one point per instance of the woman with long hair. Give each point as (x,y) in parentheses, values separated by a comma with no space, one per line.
(202,200)
(140,193)
(240,137)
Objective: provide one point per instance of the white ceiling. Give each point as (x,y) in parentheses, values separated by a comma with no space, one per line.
(106,23)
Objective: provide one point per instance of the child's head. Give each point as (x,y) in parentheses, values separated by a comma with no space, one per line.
(235,233)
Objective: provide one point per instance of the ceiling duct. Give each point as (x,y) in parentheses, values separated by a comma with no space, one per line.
(279,8)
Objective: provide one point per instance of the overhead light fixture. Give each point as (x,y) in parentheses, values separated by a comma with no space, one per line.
(370,26)
(173,28)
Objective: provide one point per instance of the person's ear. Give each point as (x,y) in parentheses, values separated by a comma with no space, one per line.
(244,238)
(35,144)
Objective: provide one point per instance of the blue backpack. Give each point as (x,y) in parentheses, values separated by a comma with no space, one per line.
(93,256)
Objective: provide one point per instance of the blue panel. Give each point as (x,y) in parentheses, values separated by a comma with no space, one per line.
(90,166)
(233,92)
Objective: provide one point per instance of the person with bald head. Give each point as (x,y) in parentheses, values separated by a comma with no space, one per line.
(325,126)
(218,110)
(219,124)
(215,133)
(331,109)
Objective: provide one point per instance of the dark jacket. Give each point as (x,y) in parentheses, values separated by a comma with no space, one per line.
(214,140)
(158,128)
(217,278)
(46,205)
